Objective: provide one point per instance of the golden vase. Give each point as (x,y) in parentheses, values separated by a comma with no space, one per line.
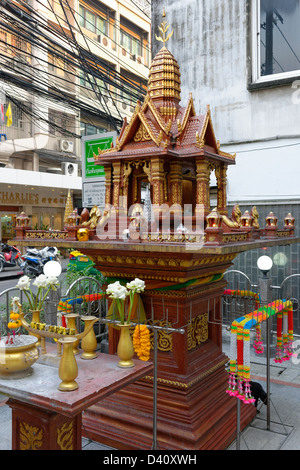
(89,342)
(71,320)
(68,369)
(125,348)
(36,318)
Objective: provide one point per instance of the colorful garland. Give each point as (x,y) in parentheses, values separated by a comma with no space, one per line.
(65,305)
(239,366)
(258,343)
(141,342)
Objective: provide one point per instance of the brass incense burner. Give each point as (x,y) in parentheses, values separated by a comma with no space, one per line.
(68,369)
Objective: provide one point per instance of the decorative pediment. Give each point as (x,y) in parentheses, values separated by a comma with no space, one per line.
(142,134)
(188,113)
(206,136)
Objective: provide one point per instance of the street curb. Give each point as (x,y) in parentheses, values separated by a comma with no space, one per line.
(6,276)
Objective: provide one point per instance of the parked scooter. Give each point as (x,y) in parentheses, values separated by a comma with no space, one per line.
(10,256)
(34,260)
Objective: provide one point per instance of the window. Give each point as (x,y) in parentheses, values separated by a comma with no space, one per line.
(130,43)
(89,129)
(89,20)
(276,37)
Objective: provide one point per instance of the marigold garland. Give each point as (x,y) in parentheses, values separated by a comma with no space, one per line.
(15,323)
(239,365)
(141,342)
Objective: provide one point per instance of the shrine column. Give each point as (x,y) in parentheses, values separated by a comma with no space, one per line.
(108,183)
(126,172)
(176,182)
(203,179)
(116,184)
(157,168)
(221,174)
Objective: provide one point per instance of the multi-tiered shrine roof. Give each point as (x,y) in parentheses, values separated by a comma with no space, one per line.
(161,126)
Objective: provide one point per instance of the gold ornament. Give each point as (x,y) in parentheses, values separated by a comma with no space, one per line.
(83,234)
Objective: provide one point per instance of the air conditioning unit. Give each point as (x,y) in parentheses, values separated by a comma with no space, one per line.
(70,169)
(66,145)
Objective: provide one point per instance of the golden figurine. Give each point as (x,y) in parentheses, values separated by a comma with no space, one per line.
(95,215)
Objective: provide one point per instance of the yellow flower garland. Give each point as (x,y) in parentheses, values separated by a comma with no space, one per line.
(141,342)
(15,323)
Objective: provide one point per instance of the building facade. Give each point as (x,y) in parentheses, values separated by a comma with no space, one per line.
(68,69)
(243,59)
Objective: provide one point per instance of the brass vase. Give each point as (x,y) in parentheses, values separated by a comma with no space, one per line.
(68,369)
(125,348)
(89,342)
(71,320)
(36,318)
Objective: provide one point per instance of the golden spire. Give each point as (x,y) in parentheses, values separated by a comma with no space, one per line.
(163,30)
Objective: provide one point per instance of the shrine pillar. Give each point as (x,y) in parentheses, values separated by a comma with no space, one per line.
(202,191)
(221,174)
(176,183)
(108,183)
(157,168)
(116,184)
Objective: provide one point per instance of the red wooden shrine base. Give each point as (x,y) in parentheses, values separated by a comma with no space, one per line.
(36,429)
(200,416)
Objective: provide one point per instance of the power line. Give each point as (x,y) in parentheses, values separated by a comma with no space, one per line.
(30,35)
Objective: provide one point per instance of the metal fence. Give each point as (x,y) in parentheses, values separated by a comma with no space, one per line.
(239,304)
(80,290)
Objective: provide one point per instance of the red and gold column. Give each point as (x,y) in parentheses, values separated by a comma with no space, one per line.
(203,178)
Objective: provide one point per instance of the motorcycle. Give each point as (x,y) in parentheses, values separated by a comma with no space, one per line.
(34,260)
(10,256)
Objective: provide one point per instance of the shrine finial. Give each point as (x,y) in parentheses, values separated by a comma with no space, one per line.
(163,30)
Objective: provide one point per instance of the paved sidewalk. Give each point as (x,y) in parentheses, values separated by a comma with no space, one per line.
(284,433)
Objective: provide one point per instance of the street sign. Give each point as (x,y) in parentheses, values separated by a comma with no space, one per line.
(93,176)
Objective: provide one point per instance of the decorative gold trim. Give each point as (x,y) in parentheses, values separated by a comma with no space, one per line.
(31,437)
(65,436)
(163,30)
(162,262)
(142,134)
(177,384)
(190,107)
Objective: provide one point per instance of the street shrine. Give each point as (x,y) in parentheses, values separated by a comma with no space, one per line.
(158,225)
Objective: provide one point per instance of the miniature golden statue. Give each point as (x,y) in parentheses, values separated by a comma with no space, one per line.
(254,213)
(235,220)
(95,215)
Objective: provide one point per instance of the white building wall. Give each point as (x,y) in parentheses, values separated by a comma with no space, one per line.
(212,46)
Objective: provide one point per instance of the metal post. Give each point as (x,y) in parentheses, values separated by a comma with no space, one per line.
(154,443)
(266,297)
(238,424)
(268,375)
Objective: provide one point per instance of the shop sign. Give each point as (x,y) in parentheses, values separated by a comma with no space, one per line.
(93,176)
(90,146)
(18,198)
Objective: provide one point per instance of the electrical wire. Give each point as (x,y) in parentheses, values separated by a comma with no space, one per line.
(33,39)
(94,58)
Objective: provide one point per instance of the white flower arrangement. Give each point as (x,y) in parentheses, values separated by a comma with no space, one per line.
(43,283)
(119,293)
